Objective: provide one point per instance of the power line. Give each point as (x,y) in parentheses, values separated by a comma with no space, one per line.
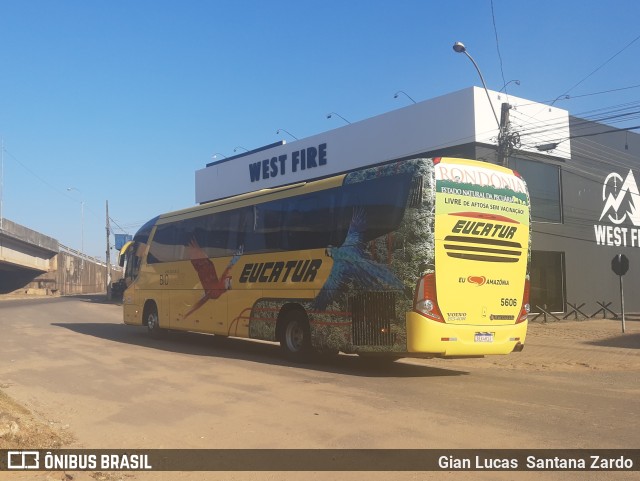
(602,65)
(495,31)
(604,92)
(592,134)
(612,115)
(55,189)
(38,177)
(572,97)
(113,221)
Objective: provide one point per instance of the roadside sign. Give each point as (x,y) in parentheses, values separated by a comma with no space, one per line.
(620,264)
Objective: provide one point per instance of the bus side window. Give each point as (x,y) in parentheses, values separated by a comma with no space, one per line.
(268,222)
(244,228)
(309,222)
(218,234)
(163,244)
(383,199)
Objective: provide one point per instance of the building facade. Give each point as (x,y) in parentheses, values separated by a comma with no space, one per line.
(586,210)
(581,176)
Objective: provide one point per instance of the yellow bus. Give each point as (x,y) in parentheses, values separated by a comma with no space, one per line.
(413,258)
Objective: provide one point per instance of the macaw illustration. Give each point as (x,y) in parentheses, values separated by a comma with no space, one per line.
(351,266)
(213,286)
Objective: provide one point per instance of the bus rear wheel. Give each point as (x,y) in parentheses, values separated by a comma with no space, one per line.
(295,337)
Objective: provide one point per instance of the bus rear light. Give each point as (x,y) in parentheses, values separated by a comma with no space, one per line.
(425,299)
(526,308)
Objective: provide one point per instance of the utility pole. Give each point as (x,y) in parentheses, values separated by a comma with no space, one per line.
(507,140)
(108,256)
(503,147)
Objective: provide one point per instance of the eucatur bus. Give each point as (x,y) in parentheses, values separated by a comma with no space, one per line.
(414,258)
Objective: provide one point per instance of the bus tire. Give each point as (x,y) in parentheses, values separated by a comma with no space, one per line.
(295,336)
(152,321)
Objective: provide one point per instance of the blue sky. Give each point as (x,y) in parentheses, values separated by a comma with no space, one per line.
(124,100)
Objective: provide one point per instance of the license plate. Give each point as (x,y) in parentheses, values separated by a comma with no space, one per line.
(484,337)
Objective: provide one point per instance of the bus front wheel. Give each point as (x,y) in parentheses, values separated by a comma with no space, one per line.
(295,337)
(153,323)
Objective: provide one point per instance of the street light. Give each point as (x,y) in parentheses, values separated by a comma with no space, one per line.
(547,147)
(560,97)
(405,94)
(240,147)
(504,87)
(550,146)
(69,189)
(459,47)
(329,115)
(287,132)
(217,154)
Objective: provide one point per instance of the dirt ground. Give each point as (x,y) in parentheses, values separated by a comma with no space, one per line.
(618,351)
(21,428)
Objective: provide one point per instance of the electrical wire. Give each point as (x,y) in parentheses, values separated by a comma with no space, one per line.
(535,130)
(111,220)
(87,208)
(603,64)
(604,92)
(51,186)
(572,97)
(495,31)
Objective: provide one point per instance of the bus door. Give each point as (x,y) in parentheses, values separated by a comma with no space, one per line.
(130,260)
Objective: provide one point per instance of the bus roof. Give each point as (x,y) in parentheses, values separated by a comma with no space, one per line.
(249,198)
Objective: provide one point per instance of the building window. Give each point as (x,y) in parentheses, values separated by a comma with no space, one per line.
(547,281)
(543,181)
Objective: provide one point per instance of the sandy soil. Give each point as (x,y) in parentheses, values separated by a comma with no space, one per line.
(595,345)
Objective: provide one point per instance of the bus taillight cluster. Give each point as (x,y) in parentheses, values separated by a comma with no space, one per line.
(426,300)
(526,308)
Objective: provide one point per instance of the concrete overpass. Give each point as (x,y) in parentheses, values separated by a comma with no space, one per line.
(33,263)
(24,255)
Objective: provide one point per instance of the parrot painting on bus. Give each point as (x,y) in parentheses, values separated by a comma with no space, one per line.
(352,266)
(212,285)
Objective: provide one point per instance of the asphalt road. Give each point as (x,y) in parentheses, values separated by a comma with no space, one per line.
(73,362)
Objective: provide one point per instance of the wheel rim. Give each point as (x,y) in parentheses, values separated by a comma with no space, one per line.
(294,336)
(152,321)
